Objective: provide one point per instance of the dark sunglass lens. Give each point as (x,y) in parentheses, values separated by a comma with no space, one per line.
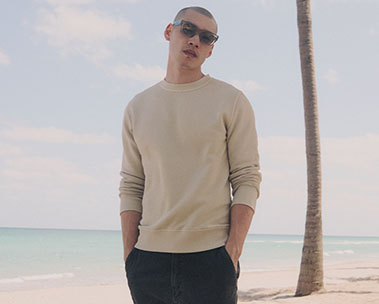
(188,30)
(206,38)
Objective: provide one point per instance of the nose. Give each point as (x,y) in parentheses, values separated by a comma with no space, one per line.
(194,41)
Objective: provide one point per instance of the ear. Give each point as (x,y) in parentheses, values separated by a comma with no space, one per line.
(210,51)
(167,32)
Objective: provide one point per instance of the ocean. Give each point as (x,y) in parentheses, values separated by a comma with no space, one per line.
(45,258)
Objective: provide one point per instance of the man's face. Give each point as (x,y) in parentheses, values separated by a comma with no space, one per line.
(189,52)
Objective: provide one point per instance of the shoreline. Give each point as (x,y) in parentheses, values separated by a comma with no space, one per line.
(346,282)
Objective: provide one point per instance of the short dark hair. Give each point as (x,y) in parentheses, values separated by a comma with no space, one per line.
(198,9)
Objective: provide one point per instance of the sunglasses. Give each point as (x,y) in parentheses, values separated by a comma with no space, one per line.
(189,29)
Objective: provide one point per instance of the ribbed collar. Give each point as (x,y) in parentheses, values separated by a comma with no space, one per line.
(181,87)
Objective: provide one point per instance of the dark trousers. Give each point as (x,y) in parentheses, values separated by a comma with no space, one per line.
(205,277)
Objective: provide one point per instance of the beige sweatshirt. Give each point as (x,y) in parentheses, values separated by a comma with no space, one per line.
(185,147)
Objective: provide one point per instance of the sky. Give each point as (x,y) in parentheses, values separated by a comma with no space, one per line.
(69,68)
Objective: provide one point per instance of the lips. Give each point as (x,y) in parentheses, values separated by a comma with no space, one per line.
(190,52)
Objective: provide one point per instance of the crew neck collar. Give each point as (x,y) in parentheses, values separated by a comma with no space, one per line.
(181,87)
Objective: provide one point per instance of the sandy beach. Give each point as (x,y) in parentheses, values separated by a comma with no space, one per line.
(345,283)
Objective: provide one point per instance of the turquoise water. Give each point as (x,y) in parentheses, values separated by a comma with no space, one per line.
(43,258)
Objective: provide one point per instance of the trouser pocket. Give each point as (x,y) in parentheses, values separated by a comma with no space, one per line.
(130,258)
(237,273)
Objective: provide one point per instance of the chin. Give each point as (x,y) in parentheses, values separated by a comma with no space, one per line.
(191,67)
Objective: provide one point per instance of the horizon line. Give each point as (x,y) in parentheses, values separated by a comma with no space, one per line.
(119,230)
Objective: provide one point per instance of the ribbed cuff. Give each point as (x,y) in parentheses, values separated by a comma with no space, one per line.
(129,203)
(246,195)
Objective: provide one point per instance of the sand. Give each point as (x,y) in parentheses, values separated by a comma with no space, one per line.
(346,283)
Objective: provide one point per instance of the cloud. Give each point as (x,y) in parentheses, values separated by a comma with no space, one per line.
(332,76)
(4,59)
(122,1)
(250,86)
(372,31)
(267,4)
(86,32)
(353,1)
(53,135)
(82,2)
(354,154)
(36,168)
(53,192)
(138,72)
(349,185)
(63,185)
(360,153)
(9,150)
(292,149)
(126,1)
(66,2)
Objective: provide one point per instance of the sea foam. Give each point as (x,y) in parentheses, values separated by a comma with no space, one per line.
(51,276)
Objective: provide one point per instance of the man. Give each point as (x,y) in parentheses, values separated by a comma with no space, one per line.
(186,140)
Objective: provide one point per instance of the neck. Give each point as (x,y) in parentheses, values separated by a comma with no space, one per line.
(177,75)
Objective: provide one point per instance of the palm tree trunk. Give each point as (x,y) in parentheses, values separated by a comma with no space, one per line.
(311,277)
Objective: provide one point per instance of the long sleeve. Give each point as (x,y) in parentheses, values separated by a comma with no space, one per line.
(185,146)
(133,179)
(242,144)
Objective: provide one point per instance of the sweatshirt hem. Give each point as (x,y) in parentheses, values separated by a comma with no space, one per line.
(182,241)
